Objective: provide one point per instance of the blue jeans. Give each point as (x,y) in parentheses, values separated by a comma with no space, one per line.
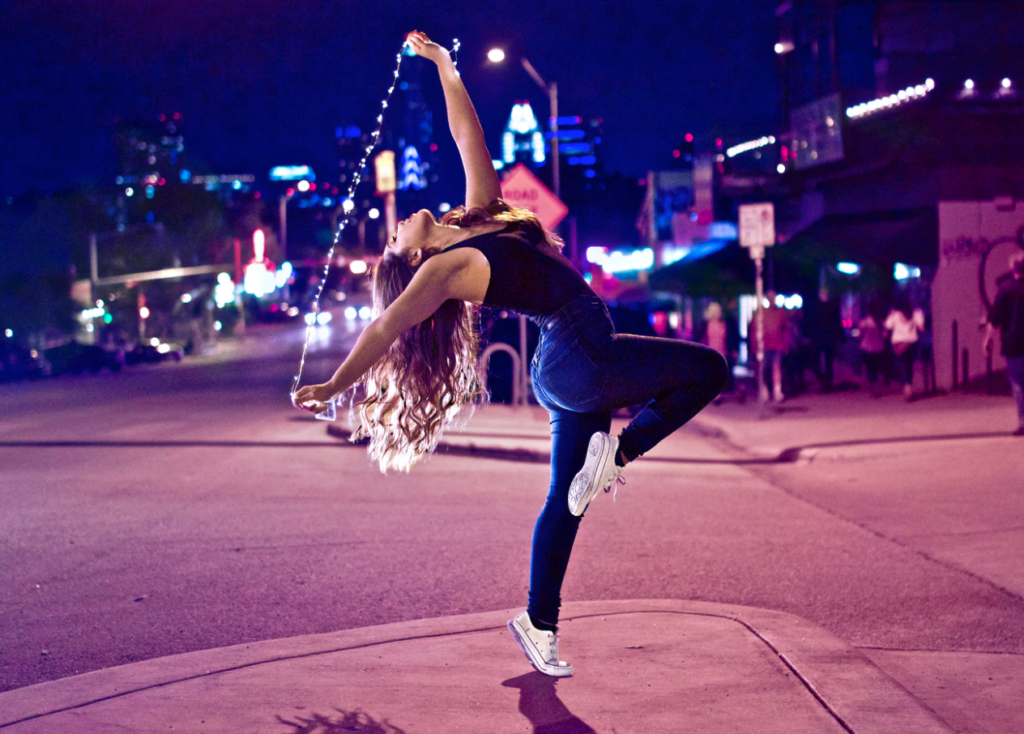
(582,371)
(1015,370)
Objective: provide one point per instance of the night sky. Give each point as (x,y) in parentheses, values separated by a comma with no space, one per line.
(266,82)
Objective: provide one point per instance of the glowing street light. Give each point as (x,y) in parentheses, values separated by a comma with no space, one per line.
(496,55)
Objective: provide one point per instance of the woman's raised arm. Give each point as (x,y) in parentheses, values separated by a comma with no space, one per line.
(482,185)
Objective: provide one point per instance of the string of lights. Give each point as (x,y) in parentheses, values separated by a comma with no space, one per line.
(750,145)
(893,100)
(311,317)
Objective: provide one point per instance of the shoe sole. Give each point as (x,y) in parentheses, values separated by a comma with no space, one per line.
(587,497)
(521,638)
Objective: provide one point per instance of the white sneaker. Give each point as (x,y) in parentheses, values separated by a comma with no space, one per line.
(599,472)
(540,647)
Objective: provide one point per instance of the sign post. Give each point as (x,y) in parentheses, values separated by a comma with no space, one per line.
(522,189)
(757,231)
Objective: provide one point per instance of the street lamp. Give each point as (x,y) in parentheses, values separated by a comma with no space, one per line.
(496,56)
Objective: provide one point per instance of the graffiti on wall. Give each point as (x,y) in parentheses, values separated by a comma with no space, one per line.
(990,269)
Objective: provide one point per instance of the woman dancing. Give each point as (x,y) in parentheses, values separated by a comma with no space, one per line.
(417,358)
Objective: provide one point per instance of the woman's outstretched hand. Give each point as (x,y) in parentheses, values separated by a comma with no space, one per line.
(313,397)
(423,46)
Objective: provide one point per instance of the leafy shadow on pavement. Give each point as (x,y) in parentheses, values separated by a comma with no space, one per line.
(539,702)
(344,723)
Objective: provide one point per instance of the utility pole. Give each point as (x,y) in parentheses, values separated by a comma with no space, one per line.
(757,231)
(282,215)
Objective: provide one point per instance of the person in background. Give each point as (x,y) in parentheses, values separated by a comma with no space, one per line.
(716,332)
(872,345)
(904,325)
(827,333)
(1007,315)
(777,340)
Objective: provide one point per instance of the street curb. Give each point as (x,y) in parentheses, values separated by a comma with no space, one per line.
(543,457)
(861,698)
(479,452)
(746,456)
(793,454)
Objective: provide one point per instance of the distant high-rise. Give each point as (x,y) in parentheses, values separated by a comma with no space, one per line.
(150,151)
(352,143)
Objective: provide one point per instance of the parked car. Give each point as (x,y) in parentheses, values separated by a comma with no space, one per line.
(18,362)
(76,358)
(149,352)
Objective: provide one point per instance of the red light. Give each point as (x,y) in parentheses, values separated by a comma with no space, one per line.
(312,187)
(290,192)
(676,153)
(274,308)
(641,181)
(161,182)
(689,137)
(718,142)
(256,195)
(785,153)
(433,147)
(163,117)
(177,115)
(334,190)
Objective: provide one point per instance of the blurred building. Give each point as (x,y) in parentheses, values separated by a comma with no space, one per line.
(894,112)
(898,134)
(151,149)
(579,145)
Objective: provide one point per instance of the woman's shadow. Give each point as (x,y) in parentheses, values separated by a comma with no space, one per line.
(539,703)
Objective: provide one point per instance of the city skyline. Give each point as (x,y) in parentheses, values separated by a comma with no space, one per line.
(268,86)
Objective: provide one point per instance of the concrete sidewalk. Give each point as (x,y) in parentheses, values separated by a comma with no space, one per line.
(650,666)
(814,422)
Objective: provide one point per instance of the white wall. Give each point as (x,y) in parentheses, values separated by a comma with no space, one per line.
(966,230)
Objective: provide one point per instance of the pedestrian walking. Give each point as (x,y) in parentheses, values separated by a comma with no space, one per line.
(716,335)
(778,338)
(715,329)
(1007,315)
(872,346)
(904,325)
(417,358)
(827,334)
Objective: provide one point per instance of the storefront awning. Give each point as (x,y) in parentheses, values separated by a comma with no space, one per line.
(880,238)
(724,270)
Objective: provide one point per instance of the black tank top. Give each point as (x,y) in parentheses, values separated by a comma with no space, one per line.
(533,279)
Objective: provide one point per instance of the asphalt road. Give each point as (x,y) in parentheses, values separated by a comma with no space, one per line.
(184,507)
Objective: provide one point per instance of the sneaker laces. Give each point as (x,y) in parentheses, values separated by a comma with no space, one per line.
(616,481)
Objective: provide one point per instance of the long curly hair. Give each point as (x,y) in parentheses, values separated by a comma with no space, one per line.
(430,373)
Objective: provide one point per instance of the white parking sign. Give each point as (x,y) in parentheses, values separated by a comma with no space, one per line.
(757,225)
